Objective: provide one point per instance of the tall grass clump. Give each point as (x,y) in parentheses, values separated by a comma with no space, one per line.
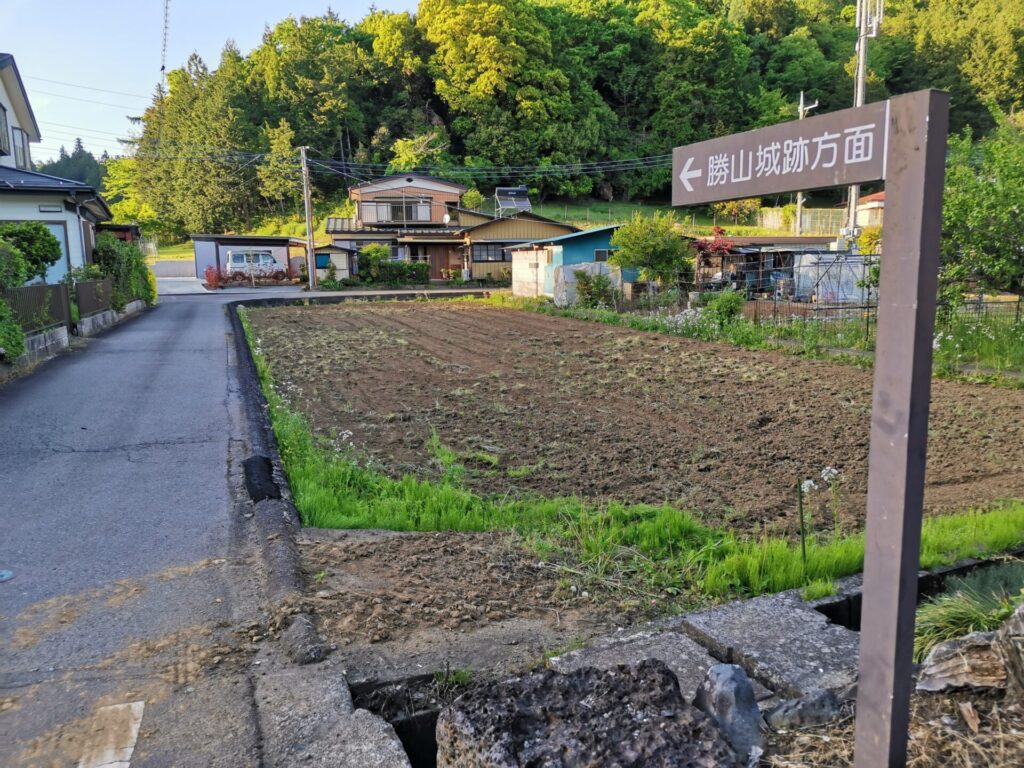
(978,602)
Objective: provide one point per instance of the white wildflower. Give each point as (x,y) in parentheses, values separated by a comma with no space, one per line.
(828,474)
(807,486)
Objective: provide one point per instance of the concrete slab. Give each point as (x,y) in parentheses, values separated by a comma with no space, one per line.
(307,718)
(687,659)
(779,640)
(170,286)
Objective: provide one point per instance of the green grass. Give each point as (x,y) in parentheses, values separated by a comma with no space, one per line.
(658,552)
(995,344)
(818,589)
(979,602)
(588,214)
(176,251)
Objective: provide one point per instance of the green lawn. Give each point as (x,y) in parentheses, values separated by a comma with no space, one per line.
(176,251)
(587,214)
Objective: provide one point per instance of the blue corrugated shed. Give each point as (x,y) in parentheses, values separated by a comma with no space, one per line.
(576,248)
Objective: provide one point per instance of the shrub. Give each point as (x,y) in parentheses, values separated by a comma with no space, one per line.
(12,338)
(593,291)
(376,266)
(13,267)
(38,246)
(725,307)
(126,266)
(211,276)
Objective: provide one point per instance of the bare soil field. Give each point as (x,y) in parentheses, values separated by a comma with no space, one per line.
(552,406)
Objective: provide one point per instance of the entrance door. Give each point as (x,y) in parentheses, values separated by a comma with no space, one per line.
(438,261)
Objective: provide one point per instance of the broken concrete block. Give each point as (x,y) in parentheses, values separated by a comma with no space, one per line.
(687,660)
(972,661)
(728,697)
(1010,642)
(780,641)
(631,717)
(814,708)
(301,641)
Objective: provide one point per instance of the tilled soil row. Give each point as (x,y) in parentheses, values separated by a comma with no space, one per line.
(553,406)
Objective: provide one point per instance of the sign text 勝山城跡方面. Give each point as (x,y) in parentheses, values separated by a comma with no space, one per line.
(832,150)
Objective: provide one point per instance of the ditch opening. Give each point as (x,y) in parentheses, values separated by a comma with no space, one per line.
(846,610)
(412,706)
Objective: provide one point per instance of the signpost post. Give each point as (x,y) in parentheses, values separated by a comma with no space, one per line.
(901,141)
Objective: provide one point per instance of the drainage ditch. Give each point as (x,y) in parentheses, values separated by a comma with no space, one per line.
(412,706)
(846,610)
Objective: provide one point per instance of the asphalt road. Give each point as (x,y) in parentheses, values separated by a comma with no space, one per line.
(115,512)
(134,614)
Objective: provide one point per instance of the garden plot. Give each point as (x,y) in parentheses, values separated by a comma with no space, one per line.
(523,404)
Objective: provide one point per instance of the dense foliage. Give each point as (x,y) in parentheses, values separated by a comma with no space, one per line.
(13,270)
(81,165)
(983,212)
(126,266)
(37,245)
(376,266)
(13,267)
(652,245)
(534,83)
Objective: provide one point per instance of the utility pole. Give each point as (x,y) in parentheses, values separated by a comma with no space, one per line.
(869,19)
(804,109)
(310,257)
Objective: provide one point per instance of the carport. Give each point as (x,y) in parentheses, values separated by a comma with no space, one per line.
(212,251)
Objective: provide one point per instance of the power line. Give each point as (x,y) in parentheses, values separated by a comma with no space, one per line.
(76,128)
(86,87)
(87,101)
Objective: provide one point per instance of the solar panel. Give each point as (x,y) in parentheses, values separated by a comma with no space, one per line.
(513,198)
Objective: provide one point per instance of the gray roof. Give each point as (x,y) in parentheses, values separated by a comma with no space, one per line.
(7,60)
(17,180)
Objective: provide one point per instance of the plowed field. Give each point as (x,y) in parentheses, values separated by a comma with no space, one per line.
(536,404)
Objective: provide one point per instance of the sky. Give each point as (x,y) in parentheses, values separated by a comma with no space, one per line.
(88,66)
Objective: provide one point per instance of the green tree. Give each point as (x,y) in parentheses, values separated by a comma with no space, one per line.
(983,225)
(738,210)
(37,245)
(13,267)
(278,175)
(428,149)
(654,246)
(81,165)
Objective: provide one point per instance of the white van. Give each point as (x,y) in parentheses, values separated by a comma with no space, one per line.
(258,263)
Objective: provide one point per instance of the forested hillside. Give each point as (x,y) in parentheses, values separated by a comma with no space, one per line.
(533,86)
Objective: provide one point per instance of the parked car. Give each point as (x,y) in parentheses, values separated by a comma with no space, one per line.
(243,264)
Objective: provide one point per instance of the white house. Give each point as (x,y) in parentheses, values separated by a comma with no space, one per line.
(68,208)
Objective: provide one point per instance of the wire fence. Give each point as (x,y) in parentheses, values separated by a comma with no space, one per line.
(93,296)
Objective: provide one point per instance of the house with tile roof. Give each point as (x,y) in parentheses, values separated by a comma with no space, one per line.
(69,209)
(419,219)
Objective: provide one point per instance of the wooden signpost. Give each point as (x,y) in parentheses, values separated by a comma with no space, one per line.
(901,141)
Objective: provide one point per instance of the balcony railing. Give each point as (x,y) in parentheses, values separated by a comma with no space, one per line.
(409,213)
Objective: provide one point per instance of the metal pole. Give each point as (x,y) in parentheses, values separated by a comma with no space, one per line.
(869,18)
(804,109)
(310,257)
(918,125)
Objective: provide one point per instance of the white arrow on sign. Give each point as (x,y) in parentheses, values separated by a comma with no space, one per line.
(686,174)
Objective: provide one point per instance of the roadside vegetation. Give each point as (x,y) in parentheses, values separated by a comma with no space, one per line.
(653,553)
(993,343)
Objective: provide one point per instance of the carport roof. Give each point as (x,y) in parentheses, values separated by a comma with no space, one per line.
(251,239)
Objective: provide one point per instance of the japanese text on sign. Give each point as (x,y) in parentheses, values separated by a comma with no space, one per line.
(828,150)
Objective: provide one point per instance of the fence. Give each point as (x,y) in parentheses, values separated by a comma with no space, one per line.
(38,307)
(93,296)
(814,221)
(1005,314)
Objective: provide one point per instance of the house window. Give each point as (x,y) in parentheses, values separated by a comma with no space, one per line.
(601,254)
(488,252)
(20,149)
(5,133)
(402,210)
